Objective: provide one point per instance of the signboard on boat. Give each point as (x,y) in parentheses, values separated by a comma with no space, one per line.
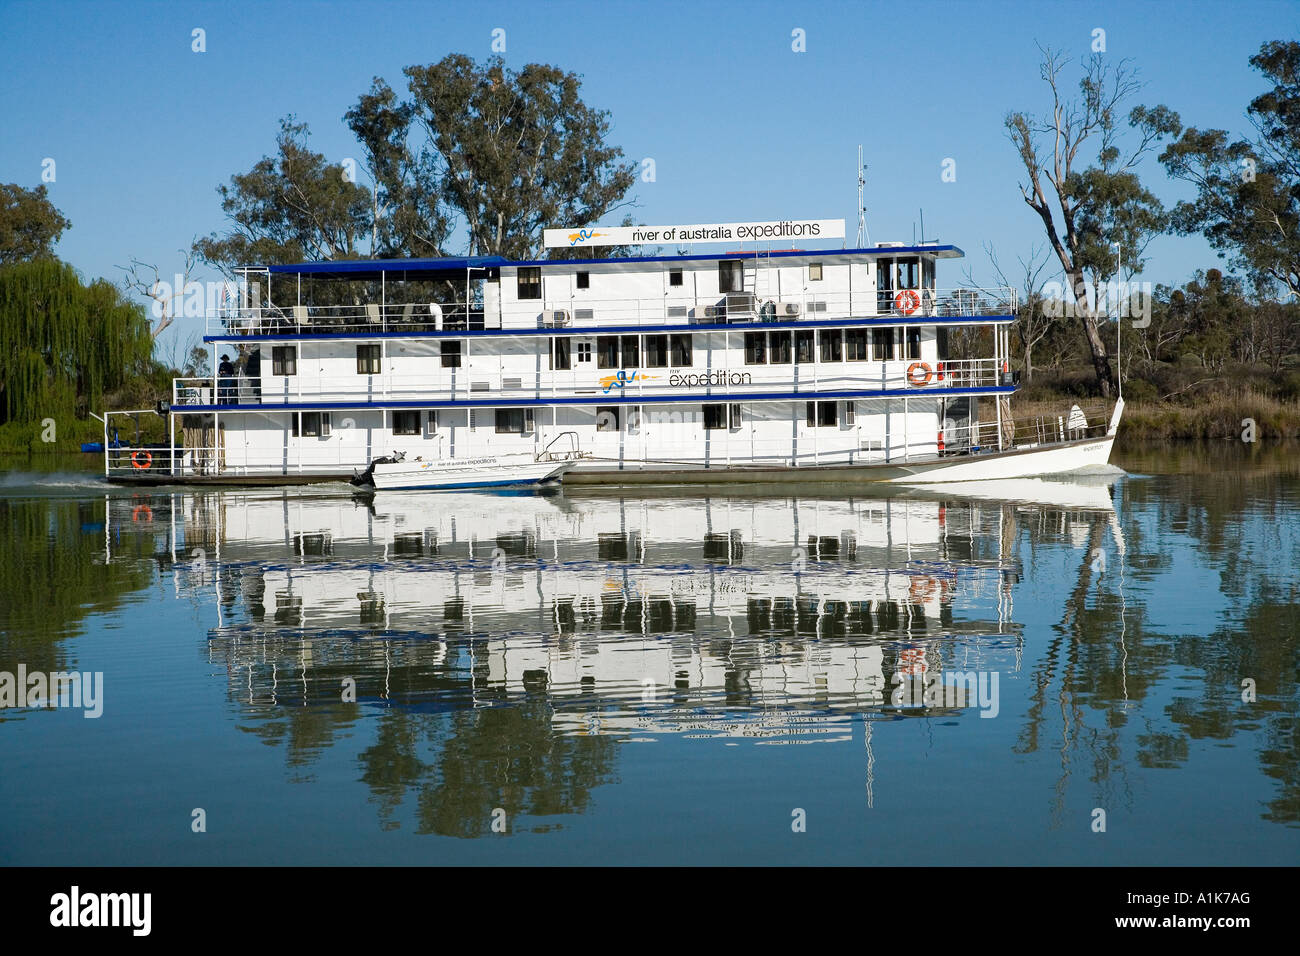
(778,231)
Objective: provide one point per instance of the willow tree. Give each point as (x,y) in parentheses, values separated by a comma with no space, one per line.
(63,343)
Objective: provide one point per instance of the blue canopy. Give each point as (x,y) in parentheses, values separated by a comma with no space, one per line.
(372,268)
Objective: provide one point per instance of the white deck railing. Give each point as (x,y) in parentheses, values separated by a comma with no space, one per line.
(734,383)
(582,312)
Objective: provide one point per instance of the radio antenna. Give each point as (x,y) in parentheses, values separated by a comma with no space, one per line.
(864,237)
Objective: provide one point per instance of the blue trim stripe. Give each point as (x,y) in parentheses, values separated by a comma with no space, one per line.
(891,321)
(594,400)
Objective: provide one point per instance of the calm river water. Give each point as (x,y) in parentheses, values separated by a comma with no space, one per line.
(1096,671)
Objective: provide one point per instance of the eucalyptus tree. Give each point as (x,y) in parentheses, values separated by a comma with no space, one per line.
(1085,209)
(1248,190)
(29,223)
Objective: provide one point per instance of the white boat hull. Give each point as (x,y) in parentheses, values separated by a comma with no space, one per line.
(487,471)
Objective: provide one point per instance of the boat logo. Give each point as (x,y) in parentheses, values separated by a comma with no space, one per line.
(582,235)
(621,379)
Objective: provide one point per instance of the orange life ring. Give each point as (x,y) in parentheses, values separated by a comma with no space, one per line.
(141,459)
(907,301)
(139,510)
(925,377)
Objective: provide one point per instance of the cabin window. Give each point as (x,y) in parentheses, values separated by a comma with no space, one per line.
(584,351)
(850,413)
(803,346)
(907,273)
(731,276)
(913,343)
(882,344)
(778,348)
(406,423)
(755,348)
(832,344)
(432,421)
(656,351)
(451,352)
(311,424)
(561,354)
(885,285)
(715,417)
(514,421)
(815,272)
(631,351)
(530,282)
(683,351)
(941,342)
(584,280)
(855,345)
(607,418)
(927,273)
(368,359)
(734,416)
(674,277)
(607,351)
(821,414)
(284,360)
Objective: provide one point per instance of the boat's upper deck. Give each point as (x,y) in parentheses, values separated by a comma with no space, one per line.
(490,294)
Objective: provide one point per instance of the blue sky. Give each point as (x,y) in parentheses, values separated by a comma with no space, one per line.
(740,127)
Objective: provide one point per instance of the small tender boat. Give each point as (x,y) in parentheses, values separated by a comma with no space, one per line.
(392,472)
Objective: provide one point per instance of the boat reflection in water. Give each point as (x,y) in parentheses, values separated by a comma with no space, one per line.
(507,644)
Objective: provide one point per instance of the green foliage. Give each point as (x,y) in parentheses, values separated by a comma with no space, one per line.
(29,224)
(65,344)
(476,148)
(1248,191)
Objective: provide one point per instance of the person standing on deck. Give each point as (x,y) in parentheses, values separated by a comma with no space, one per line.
(253,370)
(225,381)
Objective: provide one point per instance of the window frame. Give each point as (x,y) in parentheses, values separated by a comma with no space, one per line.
(528,284)
(582,280)
(656,354)
(613,411)
(284,360)
(834,338)
(453,358)
(715,416)
(405,414)
(370,356)
(675,343)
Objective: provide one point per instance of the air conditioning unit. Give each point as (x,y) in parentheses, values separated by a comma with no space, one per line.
(555,317)
(788,309)
(710,311)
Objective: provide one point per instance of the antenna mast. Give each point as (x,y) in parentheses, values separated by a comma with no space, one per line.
(864,237)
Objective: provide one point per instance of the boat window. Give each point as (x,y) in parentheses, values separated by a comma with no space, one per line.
(656,351)
(432,422)
(731,276)
(284,360)
(755,348)
(607,418)
(884,285)
(913,343)
(674,276)
(584,280)
(683,351)
(778,348)
(815,272)
(734,416)
(514,421)
(941,343)
(850,413)
(832,344)
(715,417)
(530,282)
(855,345)
(631,351)
(311,424)
(367,359)
(451,352)
(406,423)
(927,273)
(561,356)
(882,344)
(821,414)
(607,351)
(803,346)
(907,273)
(584,351)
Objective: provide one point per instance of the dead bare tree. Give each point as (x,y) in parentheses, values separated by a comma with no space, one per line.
(168,301)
